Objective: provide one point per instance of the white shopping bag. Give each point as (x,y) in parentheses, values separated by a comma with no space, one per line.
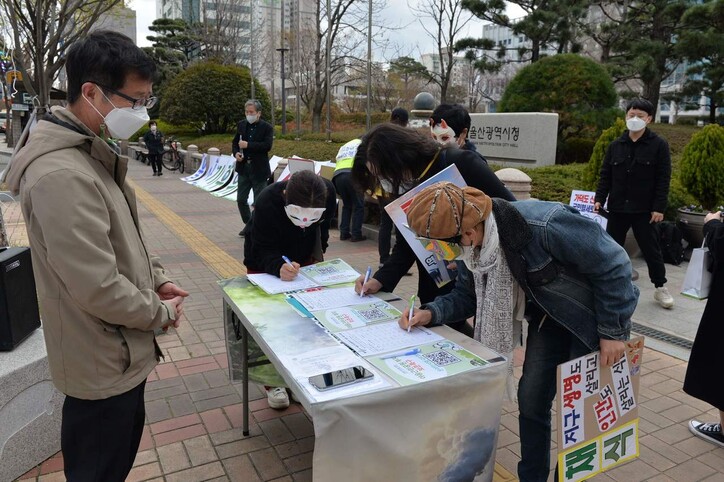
(698,278)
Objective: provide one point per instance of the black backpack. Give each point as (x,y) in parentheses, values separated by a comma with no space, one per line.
(669,236)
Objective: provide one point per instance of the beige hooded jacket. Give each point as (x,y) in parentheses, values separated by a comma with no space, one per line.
(96,281)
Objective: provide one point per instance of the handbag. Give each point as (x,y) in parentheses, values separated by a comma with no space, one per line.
(697,281)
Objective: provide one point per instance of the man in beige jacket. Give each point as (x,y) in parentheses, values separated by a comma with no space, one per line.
(101,294)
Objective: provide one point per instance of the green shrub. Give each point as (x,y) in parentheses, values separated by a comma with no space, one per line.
(555,183)
(702,166)
(577,88)
(686,121)
(593,169)
(167,129)
(575,150)
(678,197)
(211,97)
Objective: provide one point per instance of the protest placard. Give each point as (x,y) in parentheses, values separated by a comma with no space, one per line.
(598,413)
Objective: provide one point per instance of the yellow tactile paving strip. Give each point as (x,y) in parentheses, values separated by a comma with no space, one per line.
(224,265)
(218,260)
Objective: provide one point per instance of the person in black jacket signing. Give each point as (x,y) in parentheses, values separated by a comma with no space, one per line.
(290,220)
(635,176)
(251,146)
(154,143)
(398,159)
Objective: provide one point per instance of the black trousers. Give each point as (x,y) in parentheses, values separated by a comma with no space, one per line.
(384,237)
(155,160)
(100,438)
(643,230)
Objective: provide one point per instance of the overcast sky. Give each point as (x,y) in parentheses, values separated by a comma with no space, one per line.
(411,38)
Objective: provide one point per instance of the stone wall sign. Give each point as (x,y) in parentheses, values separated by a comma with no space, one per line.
(521,138)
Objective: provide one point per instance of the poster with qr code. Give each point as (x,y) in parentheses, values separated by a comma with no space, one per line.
(598,413)
(440,359)
(331,272)
(348,317)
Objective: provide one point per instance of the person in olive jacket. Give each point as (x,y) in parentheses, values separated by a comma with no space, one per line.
(251,146)
(635,176)
(154,143)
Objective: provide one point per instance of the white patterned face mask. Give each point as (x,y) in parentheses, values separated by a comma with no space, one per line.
(303,217)
(444,135)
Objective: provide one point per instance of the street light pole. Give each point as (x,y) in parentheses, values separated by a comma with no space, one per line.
(284,94)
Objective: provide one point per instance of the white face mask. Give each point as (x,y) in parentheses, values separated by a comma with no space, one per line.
(635,124)
(153,128)
(303,217)
(444,135)
(251,118)
(122,123)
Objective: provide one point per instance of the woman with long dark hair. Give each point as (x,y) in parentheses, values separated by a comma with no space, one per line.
(397,159)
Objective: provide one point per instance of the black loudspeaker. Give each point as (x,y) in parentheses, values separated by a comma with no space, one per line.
(19,315)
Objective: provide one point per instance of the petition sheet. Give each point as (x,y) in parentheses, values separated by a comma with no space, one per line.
(326,360)
(316,299)
(273,285)
(332,272)
(385,337)
(357,316)
(428,362)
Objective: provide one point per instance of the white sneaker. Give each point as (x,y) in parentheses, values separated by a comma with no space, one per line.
(662,296)
(711,432)
(277,398)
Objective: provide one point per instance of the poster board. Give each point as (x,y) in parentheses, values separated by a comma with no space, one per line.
(584,201)
(598,413)
(397,209)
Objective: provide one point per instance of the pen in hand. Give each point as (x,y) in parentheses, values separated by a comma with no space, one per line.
(367,278)
(411,314)
(288,261)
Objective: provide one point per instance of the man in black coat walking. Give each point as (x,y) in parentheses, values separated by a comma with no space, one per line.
(251,147)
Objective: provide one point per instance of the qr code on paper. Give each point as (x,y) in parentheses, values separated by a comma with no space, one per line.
(372,314)
(442,358)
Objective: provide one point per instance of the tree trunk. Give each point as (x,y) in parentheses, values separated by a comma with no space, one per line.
(652,90)
(534,50)
(712,110)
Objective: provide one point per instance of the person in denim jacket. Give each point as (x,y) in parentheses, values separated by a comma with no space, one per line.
(574,279)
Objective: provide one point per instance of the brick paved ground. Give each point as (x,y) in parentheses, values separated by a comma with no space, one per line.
(194,413)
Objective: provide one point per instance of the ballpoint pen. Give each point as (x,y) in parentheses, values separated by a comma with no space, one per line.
(367,278)
(412,310)
(410,352)
(288,261)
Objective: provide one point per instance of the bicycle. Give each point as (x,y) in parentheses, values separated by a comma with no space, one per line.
(171,158)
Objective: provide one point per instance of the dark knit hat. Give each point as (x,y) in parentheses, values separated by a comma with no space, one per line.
(444,210)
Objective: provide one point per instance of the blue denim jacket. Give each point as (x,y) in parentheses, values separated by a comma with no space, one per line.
(567,264)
